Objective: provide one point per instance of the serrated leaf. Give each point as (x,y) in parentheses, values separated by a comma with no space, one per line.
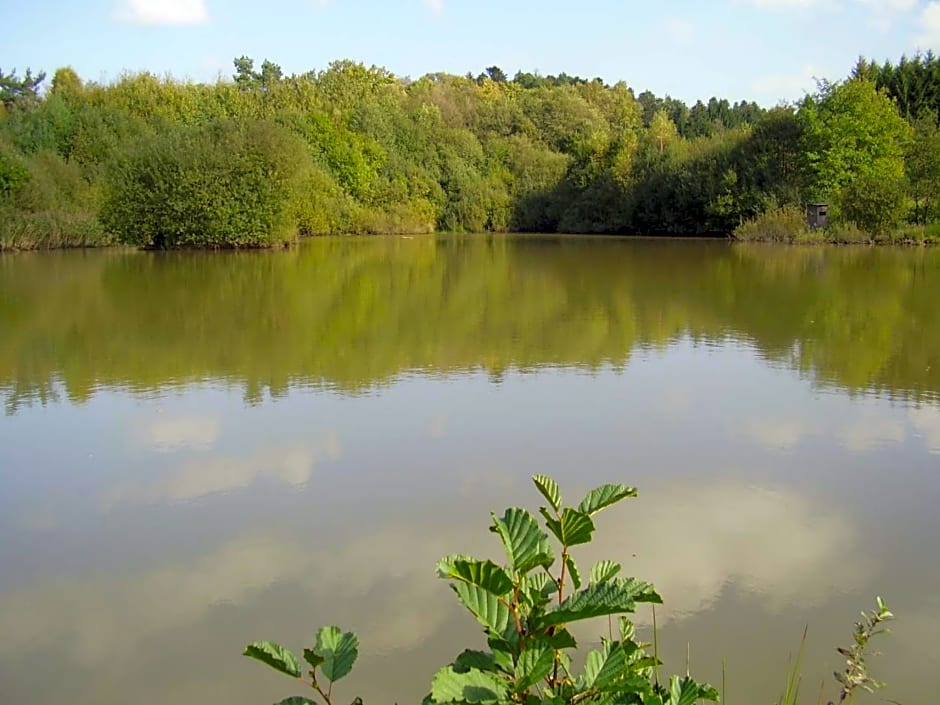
(297,700)
(602,668)
(446,564)
(489,610)
(275,656)
(484,574)
(572,529)
(561,639)
(686,691)
(534,664)
(549,489)
(338,650)
(573,572)
(617,596)
(476,687)
(604,496)
(479,660)
(604,571)
(526,544)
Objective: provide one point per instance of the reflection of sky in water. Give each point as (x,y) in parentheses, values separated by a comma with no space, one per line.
(149,538)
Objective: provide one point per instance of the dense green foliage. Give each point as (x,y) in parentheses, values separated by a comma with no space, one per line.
(353,149)
(525,607)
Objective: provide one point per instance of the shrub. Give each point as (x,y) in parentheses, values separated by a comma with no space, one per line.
(875,203)
(525,609)
(224,184)
(847,232)
(783,224)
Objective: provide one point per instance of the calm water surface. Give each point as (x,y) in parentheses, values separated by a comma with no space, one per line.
(197,451)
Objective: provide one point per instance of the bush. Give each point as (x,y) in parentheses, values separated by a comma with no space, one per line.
(876,204)
(784,224)
(224,184)
(847,233)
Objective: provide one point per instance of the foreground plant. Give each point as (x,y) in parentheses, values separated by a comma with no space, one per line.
(856,674)
(525,608)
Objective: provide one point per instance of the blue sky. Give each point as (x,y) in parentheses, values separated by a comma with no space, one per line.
(764,50)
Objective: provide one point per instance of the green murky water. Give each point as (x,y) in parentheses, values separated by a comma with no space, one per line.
(200,450)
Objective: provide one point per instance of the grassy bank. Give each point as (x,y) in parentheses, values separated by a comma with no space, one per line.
(788,225)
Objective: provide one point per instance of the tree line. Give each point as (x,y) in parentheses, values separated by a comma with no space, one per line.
(265,157)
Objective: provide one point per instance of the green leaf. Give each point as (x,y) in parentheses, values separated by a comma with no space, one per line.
(549,489)
(479,660)
(446,565)
(338,650)
(484,574)
(616,596)
(313,658)
(297,700)
(534,664)
(474,686)
(604,496)
(275,656)
(561,639)
(686,691)
(604,667)
(526,544)
(604,571)
(537,588)
(572,529)
(573,571)
(490,611)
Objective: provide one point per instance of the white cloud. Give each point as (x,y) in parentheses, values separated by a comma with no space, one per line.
(436,7)
(890,5)
(163,12)
(930,26)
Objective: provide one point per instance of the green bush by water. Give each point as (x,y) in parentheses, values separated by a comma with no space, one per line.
(224,184)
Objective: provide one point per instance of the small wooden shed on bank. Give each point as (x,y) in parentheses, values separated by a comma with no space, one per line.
(817,215)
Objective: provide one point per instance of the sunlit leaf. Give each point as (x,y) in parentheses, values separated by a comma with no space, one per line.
(297,700)
(617,596)
(686,691)
(275,656)
(604,571)
(572,529)
(445,566)
(549,489)
(526,544)
(534,664)
(339,652)
(573,572)
(474,687)
(604,496)
(489,610)
(484,574)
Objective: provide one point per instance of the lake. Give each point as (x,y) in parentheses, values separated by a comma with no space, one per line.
(202,450)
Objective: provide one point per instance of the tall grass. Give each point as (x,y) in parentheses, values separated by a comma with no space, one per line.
(783,224)
(48,230)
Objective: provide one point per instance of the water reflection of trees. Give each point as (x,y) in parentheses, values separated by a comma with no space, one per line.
(353,313)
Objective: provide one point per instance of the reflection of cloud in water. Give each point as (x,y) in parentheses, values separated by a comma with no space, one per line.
(692,542)
(778,433)
(926,419)
(179,432)
(861,431)
(292,465)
